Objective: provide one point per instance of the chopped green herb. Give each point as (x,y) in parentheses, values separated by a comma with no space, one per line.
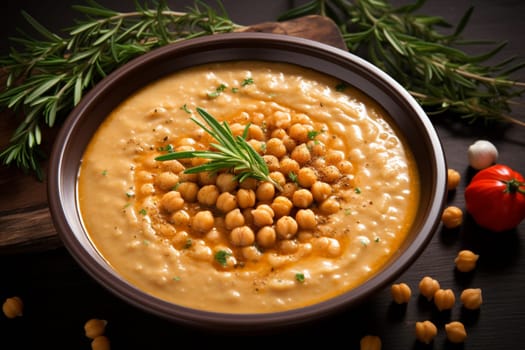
(188,243)
(130,194)
(143,211)
(145,242)
(293,177)
(168,148)
(357,190)
(312,134)
(185,109)
(235,90)
(347,211)
(299,277)
(174,188)
(377,239)
(217,91)
(221,257)
(247,81)
(176,278)
(104,172)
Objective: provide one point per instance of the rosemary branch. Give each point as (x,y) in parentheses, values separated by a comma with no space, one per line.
(47,76)
(230,153)
(428,64)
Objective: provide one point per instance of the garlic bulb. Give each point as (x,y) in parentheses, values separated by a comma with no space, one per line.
(482,154)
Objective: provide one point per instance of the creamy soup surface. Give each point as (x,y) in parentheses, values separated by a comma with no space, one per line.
(347,194)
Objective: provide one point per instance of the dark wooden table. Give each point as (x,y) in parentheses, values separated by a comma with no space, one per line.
(60,297)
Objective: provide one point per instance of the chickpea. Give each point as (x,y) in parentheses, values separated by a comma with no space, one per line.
(327,245)
(262,217)
(173,165)
(453,178)
(237,129)
(289,189)
(279,133)
(171,201)
(255,132)
(289,143)
(301,154)
(281,119)
(13,307)
(286,227)
(288,246)
(95,327)
(330,206)
(242,236)
(266,237)
(321,191)
(471,298)
(278,177)
(466,260)
(281,206)
(302,198)
(288,165)
(248,184)
(306,177)
(345,167)
(401,293)
(272,162)
(208,195)
(426,331)
(147,189)
(329,173)
(207,178)
(202,221)
(370,342)
(180,218)
(226,182)
(234,219)
(333,157)
(226,202)
(100,343)
(452,217)
(306,219)
(298,132)
(183,177)
(265,191)
(275,147)
(257,146)
(428,287)
(251,253)
(444,299)
(181,240)
(317,148)
(188,191)
(456,332)
(245,198)
(167,180)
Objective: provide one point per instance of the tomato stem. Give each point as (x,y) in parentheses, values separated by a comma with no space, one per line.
(513,186)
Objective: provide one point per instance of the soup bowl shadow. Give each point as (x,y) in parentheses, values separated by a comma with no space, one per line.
(81,124)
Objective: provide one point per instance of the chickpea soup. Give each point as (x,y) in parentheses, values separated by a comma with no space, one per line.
(338,199)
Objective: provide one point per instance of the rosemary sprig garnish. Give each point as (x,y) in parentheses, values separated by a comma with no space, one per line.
(427,63)
(229,153)
(47,76)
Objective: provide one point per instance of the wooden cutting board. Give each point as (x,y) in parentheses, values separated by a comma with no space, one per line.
(25,221)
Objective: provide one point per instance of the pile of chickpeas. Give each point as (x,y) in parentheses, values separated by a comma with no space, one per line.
(252,217)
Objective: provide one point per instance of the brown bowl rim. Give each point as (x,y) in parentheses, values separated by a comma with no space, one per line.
(68,148)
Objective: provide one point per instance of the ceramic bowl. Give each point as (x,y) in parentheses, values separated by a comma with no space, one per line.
(84,120)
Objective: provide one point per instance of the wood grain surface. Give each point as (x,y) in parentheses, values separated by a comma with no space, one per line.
(60,296)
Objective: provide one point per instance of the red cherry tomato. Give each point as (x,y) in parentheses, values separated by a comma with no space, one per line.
(495,198)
